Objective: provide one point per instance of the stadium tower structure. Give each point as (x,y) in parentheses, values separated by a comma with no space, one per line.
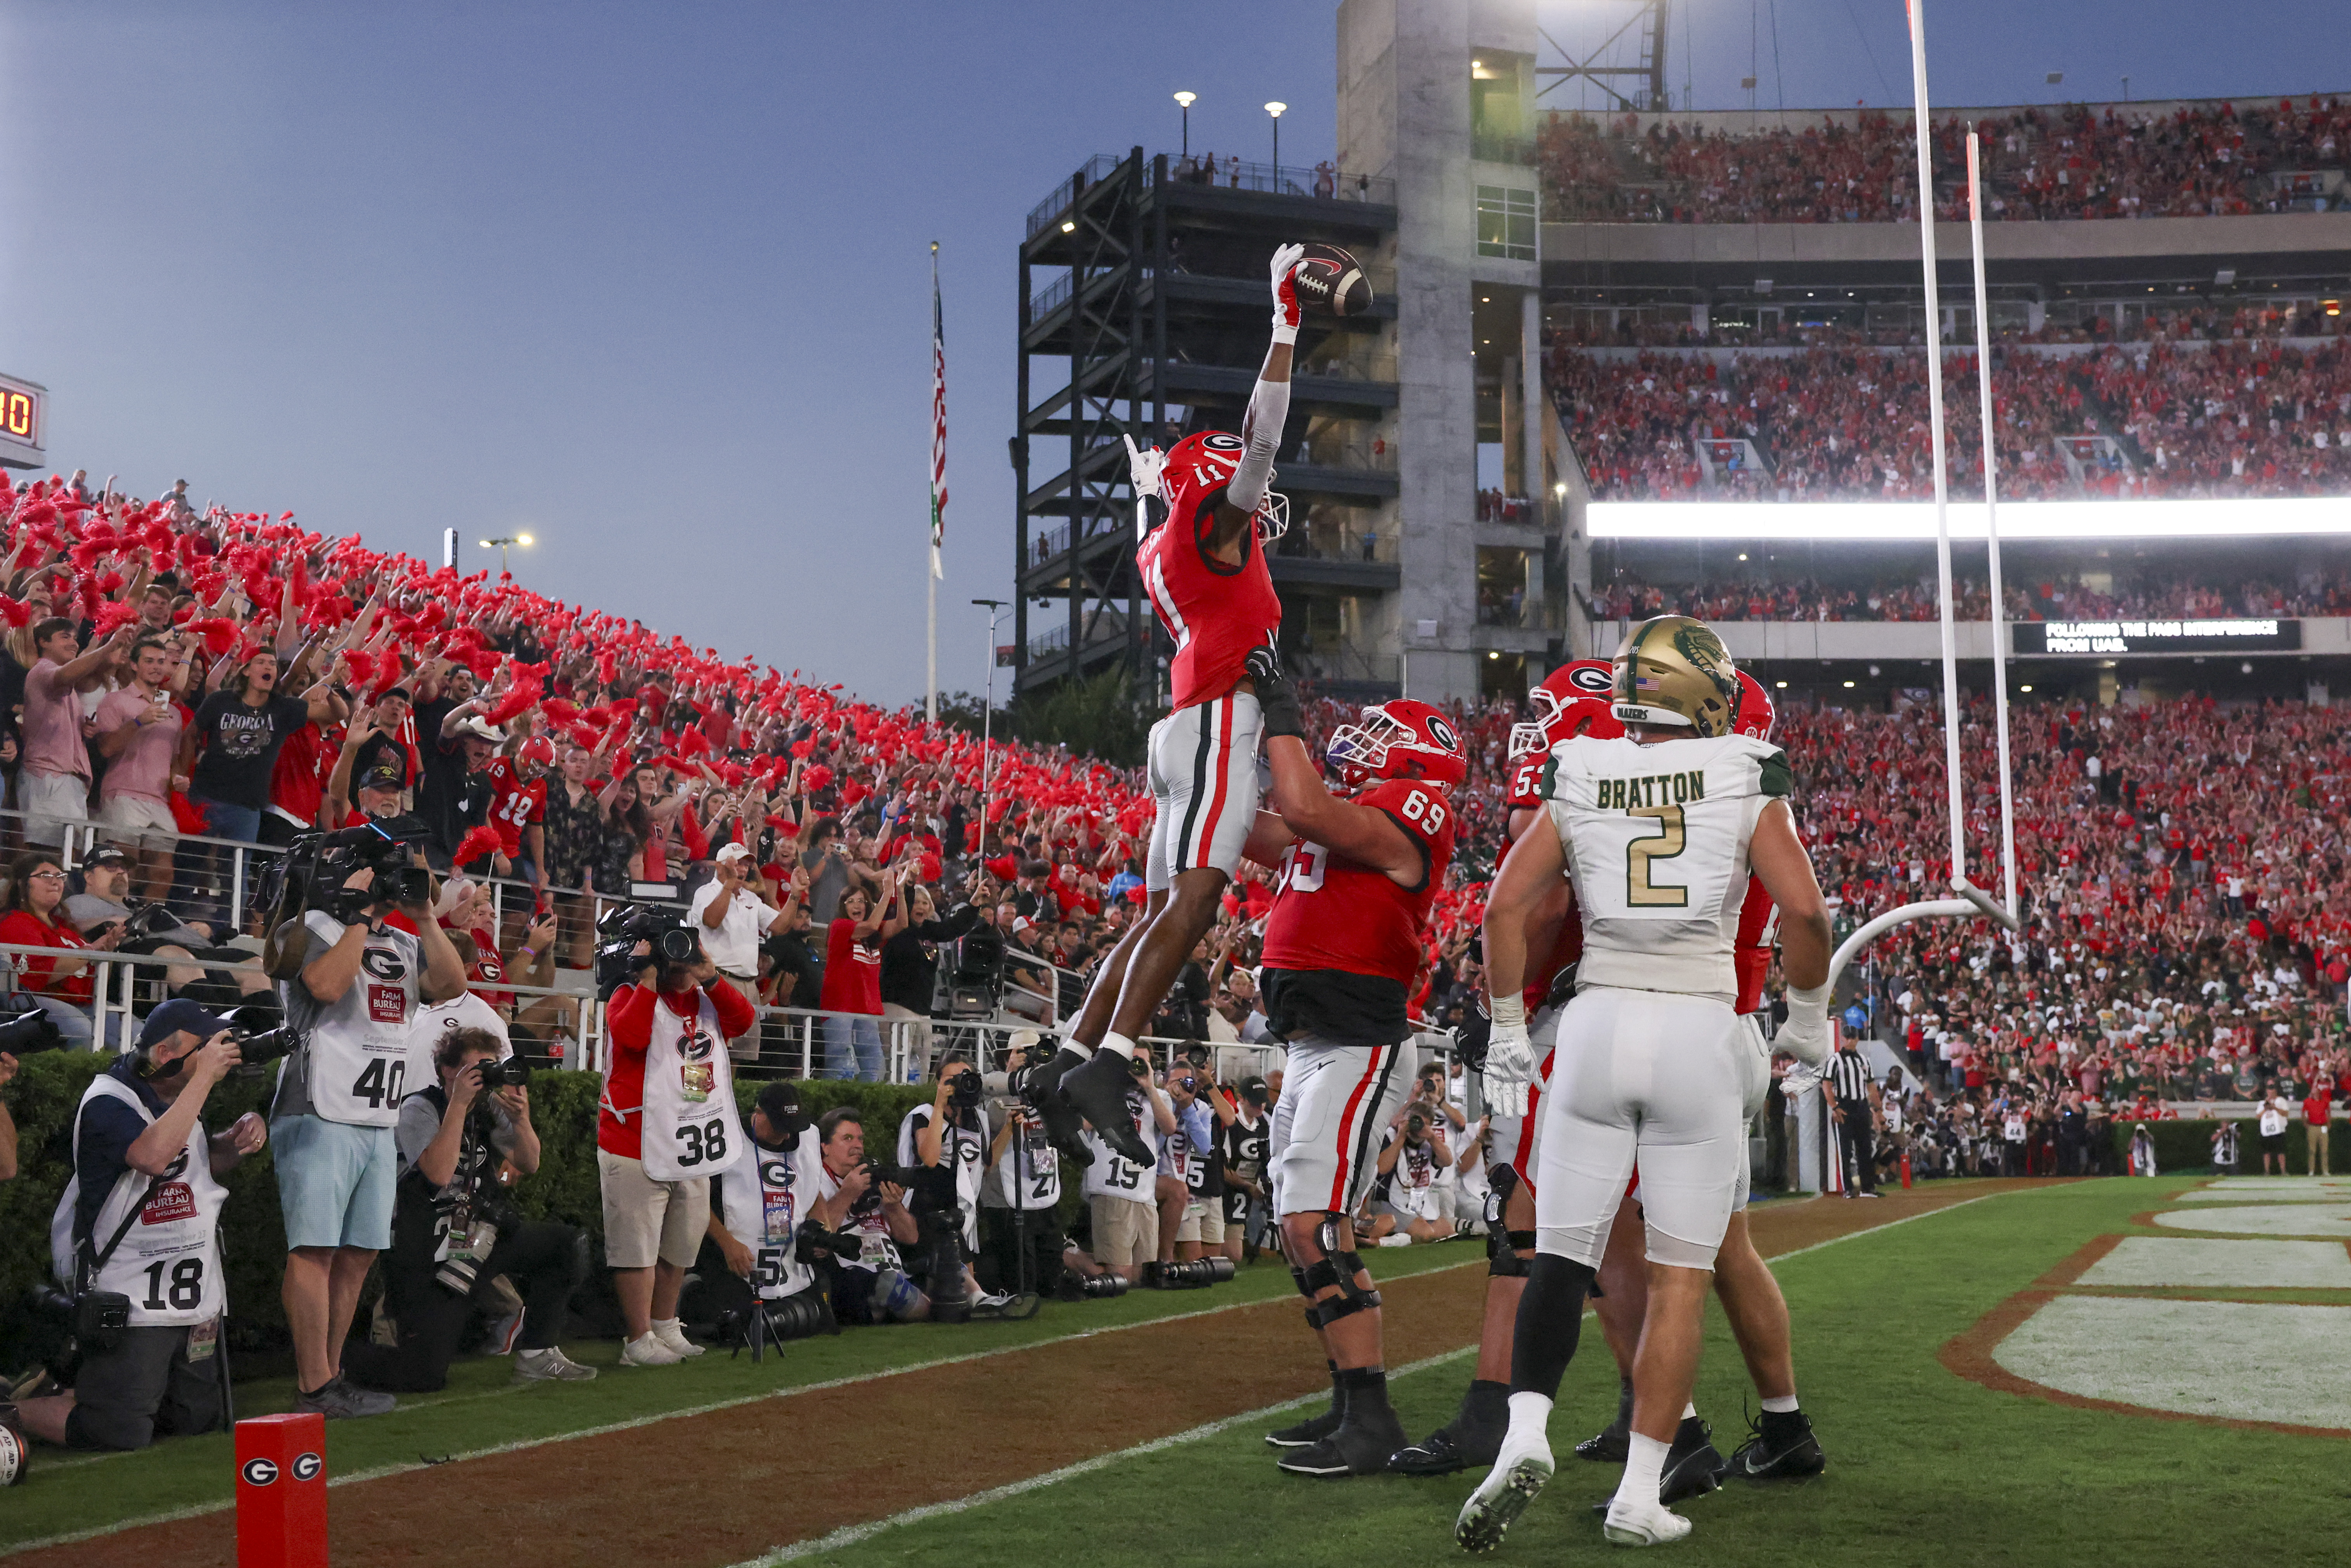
(1142,303)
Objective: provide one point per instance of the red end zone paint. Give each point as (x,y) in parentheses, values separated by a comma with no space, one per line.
(281,1493)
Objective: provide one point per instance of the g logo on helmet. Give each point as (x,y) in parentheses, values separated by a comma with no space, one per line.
(258,1472)
(1591,678)
(1443,733)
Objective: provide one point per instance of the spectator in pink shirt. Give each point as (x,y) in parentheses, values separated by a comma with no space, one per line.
(54,787)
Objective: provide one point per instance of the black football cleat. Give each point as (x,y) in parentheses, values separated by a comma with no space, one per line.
(1694,1466)
(1471,1438)
(1097,1089)
(1309,1432)
(1358,1445)
(1778,1447)
(1613,1442)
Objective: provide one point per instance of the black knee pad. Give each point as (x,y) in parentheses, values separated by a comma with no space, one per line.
(1502,1261)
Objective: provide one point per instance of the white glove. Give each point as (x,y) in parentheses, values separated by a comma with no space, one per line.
(1142,465)
(1806,1035)
(1509,1058)
(1285,293)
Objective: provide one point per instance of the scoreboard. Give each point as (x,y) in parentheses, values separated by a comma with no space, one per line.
(23,423)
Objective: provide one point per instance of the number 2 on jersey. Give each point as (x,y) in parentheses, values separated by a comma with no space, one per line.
(1670,838)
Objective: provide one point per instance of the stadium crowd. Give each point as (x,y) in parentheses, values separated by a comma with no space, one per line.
(1656,328)
(2233,419)
(2211,159)
(2035,597)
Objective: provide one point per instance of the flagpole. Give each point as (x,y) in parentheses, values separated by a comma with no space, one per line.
(938,455)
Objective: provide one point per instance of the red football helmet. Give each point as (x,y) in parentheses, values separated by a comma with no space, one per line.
(1572,700)
(1756,715)
(1399,739)
(1202,461)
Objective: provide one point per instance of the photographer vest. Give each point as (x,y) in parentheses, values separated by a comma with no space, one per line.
(761,1201)
(425,1217)
(169,1261)
(1112,1175)
(1029,1176)
(691,1127)
(353,1067)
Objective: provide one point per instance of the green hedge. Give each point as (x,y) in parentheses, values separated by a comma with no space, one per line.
(42,1097)
(2185,1148)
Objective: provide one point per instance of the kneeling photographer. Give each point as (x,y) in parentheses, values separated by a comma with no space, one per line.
(1021,1229)
(461,1140)
(860,1222)
(756,1210)
(136,1240)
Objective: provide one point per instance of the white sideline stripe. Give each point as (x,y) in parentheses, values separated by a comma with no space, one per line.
(851,1534)
(198,1510)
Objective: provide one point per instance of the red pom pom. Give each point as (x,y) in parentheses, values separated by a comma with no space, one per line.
(476,844)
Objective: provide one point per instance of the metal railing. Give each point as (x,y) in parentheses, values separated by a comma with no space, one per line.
(1228,174)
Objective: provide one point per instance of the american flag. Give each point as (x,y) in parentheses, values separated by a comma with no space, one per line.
(938,417)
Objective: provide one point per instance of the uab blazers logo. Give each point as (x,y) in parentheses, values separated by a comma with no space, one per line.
(1443,733)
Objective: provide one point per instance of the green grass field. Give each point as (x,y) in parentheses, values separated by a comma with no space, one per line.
(480,1410)
(1925,1466)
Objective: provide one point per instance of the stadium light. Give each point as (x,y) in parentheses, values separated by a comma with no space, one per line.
(500,546)
(1185,99)
(1275,109)
(2286,515)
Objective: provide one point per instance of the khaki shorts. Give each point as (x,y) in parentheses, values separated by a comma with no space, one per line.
(138,821)
(648,1221)
(1202,1222)
(1127,1234)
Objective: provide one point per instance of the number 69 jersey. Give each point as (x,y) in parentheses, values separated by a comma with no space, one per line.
(1343,942)
(1655,838)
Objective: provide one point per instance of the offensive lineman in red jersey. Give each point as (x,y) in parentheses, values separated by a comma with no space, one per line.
(1343,946)
(1205,570)
(1574,700)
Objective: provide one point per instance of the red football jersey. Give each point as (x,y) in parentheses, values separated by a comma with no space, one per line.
(514,805)
(1567,948)
(1750,950)
(1330,914)
(1215,613)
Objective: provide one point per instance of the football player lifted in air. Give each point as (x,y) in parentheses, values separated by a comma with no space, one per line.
(1205,570)
(1573,701)
(1659,832)
(1342,945)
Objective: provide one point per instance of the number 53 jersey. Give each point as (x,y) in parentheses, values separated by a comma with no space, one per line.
(1655,838)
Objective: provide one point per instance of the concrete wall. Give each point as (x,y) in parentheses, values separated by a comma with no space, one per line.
(1766,245)
(1403,111)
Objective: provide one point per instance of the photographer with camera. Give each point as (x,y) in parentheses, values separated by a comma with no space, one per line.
(1194,1222)
(861,1221)
(1412,1154)
(351,982)
(1122,1196)
(136,1238)
(665,1126)
(461,1140)
(943,1150)
(1248,1141)
(1022,1189)
(756,1210)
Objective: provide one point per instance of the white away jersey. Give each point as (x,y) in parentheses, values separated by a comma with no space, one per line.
(1657,840)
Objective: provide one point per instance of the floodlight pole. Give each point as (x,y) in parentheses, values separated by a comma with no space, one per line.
(988,707)
(1991,525)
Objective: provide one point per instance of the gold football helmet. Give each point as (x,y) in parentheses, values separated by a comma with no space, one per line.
(1674,671)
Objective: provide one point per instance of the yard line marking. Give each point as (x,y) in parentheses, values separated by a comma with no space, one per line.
(1873,1230)
(851,1534)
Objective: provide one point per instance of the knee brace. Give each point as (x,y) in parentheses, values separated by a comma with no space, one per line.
(1502,1261)
(1334,1268)
(1504,1246)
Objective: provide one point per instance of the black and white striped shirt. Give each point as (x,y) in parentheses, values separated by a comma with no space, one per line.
(1849,1077)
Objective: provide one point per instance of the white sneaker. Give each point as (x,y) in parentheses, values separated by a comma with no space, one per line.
(673,1338)
(648,1351)
(550,1366)
(1642,1522)
(1521,1470)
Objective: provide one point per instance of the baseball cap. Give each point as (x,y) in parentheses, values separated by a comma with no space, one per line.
(177,1016)
(732,853)
(384,776)
(400,692)
(106,854)
(776,1099)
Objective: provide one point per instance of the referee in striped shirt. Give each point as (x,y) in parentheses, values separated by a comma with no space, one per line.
(1852,1110)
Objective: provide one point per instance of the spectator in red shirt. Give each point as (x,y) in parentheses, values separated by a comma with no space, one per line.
(852,978)
(2316,1106)
(64,987)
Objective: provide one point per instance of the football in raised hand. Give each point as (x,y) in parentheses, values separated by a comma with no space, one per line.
(1330,282)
